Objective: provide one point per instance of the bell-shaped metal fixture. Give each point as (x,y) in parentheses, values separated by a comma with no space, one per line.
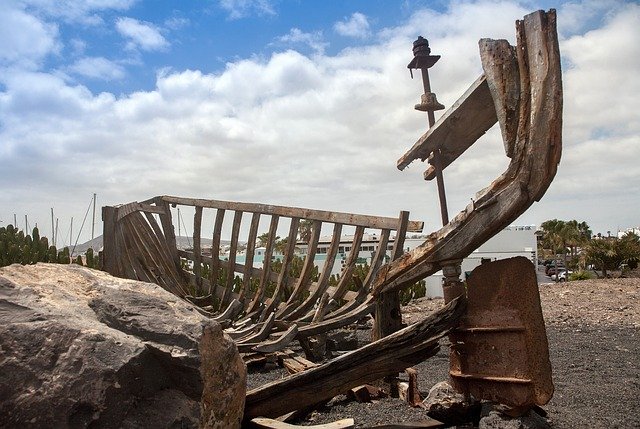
(428,103)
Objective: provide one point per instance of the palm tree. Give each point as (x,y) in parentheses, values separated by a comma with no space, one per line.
(305,230)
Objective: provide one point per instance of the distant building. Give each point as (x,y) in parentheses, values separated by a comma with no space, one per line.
(510,242)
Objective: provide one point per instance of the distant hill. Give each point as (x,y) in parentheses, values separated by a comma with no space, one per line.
(182,243)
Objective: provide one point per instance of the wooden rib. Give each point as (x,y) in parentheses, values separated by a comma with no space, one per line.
(388,316)
(401,234)
(169,232)
(367,221)
(323,280)
(378,258)
(304,282)
(263,333)
(337,322)
(165,254)
(279,343)
(249,255)
(215,253)
(136,251)
(135,207)
(266,270)
(151,255)
(283,276)
(255,272)
(230,313)
(126,251)
(358,298)
(197,251)
(233,248)
(345,276)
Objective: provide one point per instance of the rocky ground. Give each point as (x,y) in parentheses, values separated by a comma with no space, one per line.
(593,327)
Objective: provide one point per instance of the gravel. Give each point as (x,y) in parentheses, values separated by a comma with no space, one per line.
(593,328)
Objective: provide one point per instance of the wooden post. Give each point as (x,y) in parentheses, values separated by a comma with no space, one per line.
(109,261)
(388,318)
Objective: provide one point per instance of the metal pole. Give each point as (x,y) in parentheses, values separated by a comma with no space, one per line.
(435,161)
(53,231)
(93,219)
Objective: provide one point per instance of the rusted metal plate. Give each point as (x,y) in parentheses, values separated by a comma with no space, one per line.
(500,350)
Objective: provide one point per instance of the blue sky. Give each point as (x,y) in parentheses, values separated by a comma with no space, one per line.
(292,102)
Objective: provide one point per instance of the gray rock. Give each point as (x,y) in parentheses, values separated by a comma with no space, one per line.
(79,347)
(448,406)
(223,372)
(342,340)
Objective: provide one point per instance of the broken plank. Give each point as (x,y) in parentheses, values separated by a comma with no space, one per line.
(475,109)
(265,423)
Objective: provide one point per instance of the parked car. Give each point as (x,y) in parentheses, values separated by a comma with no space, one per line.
(551,270)
(562,276)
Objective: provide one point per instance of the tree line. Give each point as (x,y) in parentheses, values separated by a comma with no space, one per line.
(575,244)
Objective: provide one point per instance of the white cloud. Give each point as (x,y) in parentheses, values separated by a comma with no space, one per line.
(143,35)
(356,26)
(321,131)
(296,36)
(98,68)
(82,11)
(26,40)
(176,22)
(242,8)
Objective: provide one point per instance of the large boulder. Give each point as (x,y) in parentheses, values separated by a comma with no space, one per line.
(79,347)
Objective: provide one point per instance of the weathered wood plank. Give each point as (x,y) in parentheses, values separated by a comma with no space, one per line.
(367,221)
(265,423)
(388,317)
(134,207)
(474,109)
(304,281)
(169,232)
(233,249)
(345,276)
(323,280)
(283,276)
(214,274)
(378,258)
(266,269)
(109,251)
(197,250)
(249,255)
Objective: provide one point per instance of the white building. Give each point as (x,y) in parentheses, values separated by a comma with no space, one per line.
(510,242)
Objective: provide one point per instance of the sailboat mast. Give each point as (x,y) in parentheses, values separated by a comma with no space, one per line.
(93,220)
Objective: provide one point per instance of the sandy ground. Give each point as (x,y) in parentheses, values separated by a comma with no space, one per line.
(593,328)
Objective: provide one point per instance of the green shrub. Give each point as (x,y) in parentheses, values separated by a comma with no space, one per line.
(580,275)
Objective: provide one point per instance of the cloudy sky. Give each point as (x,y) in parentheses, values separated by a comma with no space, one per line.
(290,102)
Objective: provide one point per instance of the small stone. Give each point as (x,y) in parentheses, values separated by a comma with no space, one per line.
(448,406)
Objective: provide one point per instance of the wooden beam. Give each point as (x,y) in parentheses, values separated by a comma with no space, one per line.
(367,221)
(475,109)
